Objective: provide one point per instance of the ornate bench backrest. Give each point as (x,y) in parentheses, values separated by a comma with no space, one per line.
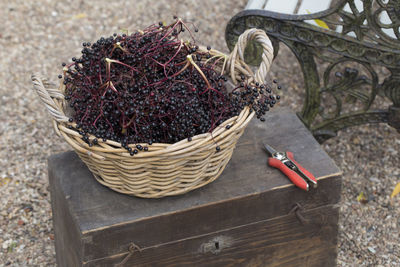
(360,38)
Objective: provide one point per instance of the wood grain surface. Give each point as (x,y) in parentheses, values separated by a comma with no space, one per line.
(281,241)
(101,223)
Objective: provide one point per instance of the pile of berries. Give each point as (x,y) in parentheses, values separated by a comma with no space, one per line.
(150,86)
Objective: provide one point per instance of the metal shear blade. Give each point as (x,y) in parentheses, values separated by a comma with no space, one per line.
(270,149)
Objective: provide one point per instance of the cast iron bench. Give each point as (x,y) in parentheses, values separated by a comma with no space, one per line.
(339,64)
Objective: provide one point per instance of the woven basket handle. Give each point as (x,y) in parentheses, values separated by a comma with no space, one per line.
(237,54)
(52,98)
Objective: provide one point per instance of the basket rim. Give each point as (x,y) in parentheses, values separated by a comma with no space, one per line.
(157,149)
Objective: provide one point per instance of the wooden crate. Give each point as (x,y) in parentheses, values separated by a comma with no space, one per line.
(244,218)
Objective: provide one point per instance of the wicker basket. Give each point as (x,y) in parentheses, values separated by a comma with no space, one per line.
(166,169)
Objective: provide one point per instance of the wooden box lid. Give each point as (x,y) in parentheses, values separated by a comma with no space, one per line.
(248,191)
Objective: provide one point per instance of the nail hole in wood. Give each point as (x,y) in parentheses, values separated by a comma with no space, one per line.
(217,244)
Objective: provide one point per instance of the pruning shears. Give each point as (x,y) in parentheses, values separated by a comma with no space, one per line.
(284,161)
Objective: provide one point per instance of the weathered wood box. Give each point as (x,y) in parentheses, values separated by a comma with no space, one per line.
(244,218)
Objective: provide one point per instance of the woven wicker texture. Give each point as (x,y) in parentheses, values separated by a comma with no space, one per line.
(166,169)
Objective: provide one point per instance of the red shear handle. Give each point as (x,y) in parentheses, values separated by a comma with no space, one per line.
(292,175)
(309,174)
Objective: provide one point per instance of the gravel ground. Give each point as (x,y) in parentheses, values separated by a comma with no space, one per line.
(39,35)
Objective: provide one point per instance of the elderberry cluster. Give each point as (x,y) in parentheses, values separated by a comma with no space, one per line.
(150,86)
